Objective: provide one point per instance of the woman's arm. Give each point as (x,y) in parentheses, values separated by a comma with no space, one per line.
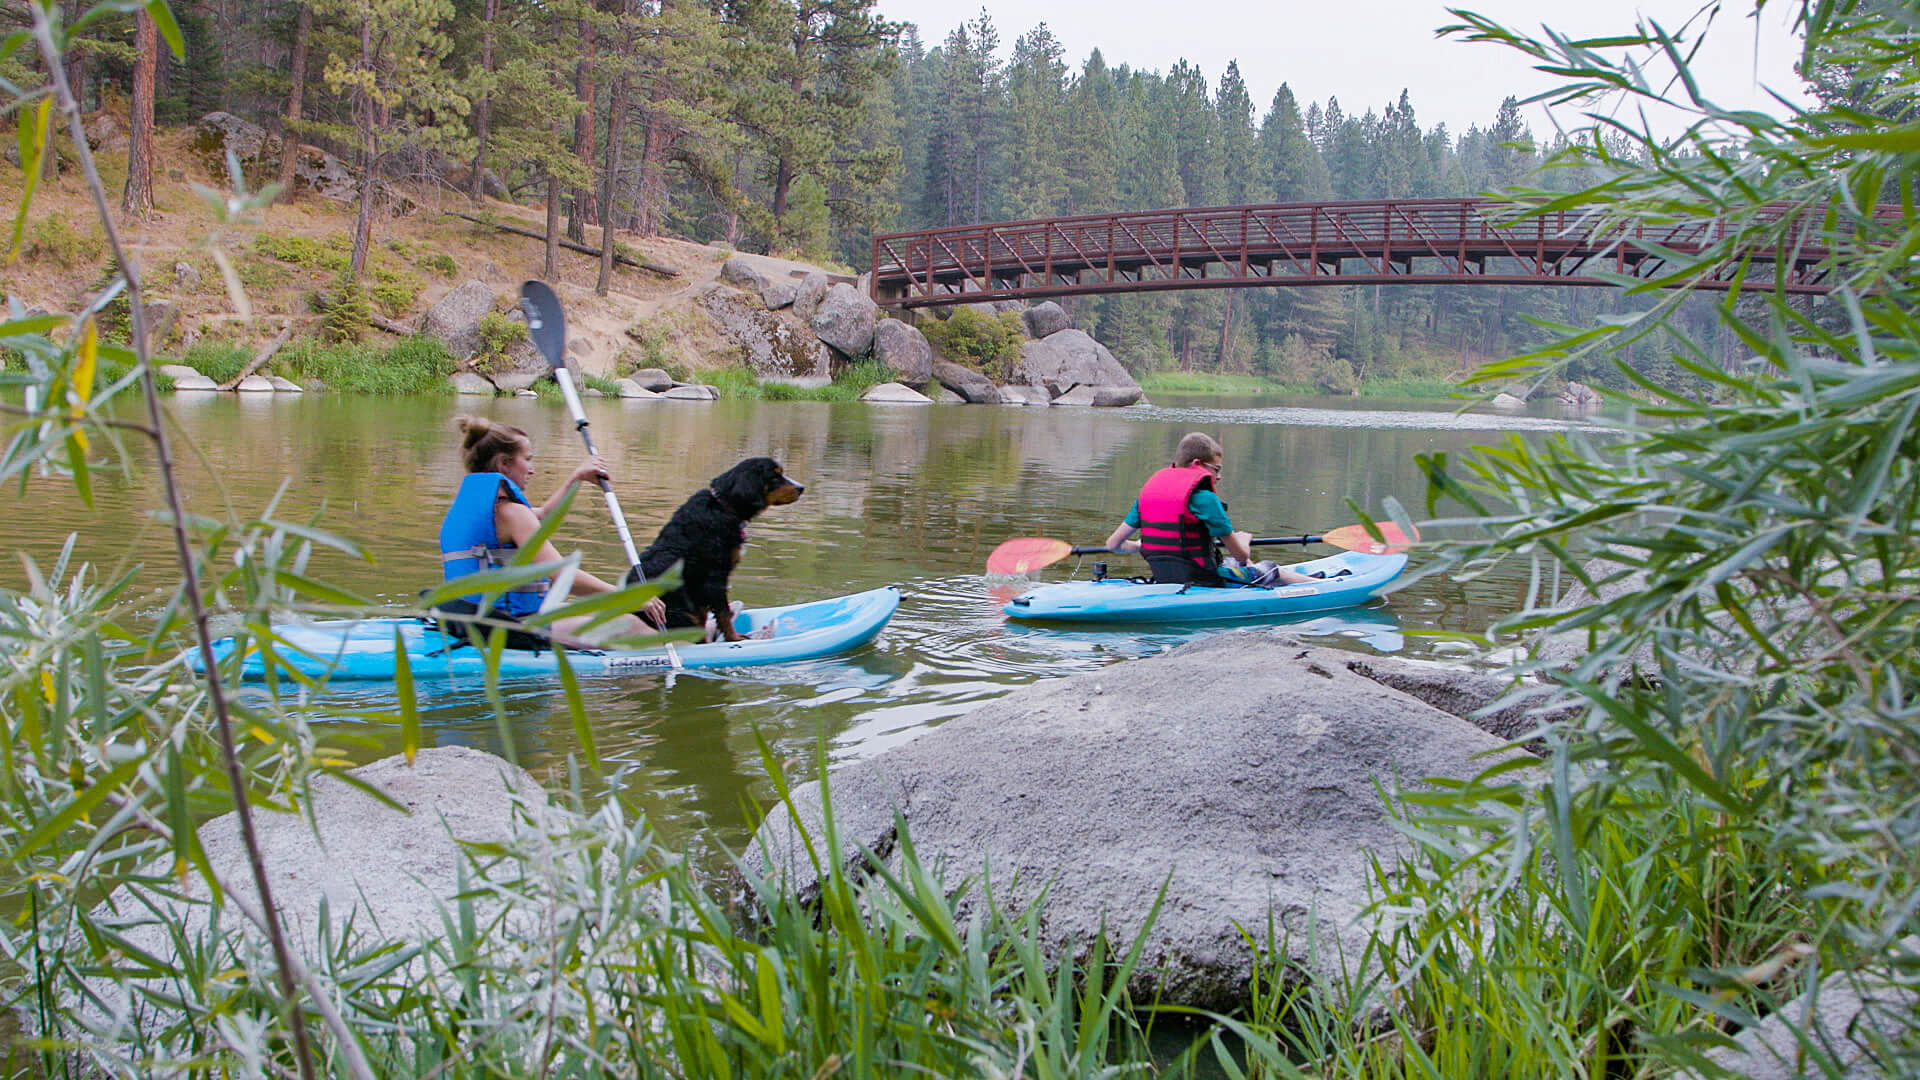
(594,469)
(1120,541)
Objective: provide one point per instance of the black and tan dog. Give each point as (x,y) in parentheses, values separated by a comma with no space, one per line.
(705,536)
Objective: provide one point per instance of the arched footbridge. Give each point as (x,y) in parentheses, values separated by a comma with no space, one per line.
(1375,242)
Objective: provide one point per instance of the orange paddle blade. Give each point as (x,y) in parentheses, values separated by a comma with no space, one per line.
(1356,538)
(1024,553)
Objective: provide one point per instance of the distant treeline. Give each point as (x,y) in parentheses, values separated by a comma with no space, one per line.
(805,126)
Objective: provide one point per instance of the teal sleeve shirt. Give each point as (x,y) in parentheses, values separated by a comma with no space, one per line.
(1205,505)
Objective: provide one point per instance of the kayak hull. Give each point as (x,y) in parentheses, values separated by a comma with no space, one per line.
(363,649)
(1119,600)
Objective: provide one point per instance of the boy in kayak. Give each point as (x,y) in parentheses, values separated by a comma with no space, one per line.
(1182,523)
(491,517)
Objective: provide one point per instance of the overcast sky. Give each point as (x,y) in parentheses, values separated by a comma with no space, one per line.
(1365,51)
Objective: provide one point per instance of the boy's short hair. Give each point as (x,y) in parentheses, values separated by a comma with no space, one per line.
(1196,446)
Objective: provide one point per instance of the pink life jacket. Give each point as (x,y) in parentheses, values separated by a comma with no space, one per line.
(1167,527)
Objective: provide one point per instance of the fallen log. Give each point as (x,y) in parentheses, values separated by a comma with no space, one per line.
(260,357)
(381,322)
(583,249)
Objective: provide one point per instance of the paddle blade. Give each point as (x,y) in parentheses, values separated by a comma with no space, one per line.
(1356,538)
(546,321)
(1024,553)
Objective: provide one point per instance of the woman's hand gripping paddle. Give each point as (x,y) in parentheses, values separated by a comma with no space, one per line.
(1024,553)
(547,325)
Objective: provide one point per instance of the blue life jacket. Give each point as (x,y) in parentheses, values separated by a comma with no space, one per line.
(469,543)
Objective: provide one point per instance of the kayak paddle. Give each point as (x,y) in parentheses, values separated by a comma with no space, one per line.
(1024,553)
(547,325)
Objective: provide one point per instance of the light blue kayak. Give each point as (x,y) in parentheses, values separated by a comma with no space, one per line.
(1121,600)
(363,649)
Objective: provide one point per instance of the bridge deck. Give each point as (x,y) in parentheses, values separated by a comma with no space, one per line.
(1398,242)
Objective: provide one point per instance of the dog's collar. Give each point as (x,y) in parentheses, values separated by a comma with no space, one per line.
(726,504)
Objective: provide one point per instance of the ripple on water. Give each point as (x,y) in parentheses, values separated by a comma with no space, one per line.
(1356,418)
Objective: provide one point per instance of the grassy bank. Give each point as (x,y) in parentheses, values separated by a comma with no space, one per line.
(415,365)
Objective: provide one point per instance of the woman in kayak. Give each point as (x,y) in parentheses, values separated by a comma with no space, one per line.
(1180,519)
(491,517)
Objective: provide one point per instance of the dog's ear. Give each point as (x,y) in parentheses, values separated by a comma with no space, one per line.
(745,485)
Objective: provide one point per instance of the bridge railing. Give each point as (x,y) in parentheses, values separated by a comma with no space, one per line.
(1381,239)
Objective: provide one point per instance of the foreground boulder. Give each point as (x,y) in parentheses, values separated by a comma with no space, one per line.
(365,859)
(1252,799)
(1849,1017)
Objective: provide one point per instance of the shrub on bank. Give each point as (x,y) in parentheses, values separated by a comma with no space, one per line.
(987,343)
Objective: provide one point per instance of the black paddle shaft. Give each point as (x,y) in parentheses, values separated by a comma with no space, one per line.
(1257,541)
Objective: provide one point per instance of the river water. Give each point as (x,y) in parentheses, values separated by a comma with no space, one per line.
(895,495)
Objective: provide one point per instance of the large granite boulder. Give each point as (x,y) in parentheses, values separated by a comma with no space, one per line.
(258,151)
(845,320)
(1071,358)
(1255,801)
(1022,394)
(976,388)
(770,344)
(808,294)
(1842,1024)
(471,384)
(652,378)
(1045,319)
(904,349)
(740,272)
(368,861)
(893,393)
(455,318)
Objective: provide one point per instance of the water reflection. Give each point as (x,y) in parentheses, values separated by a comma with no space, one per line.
(914,497)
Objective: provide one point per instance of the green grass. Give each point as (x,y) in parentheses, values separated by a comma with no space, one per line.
(847,385)
(1201,382)
(418,365)
(217,360)
(1428,389)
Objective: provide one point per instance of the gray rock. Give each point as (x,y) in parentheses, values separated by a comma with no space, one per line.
(176,371)
(185,276)
(1505,400)
(652,379)
(285,386)
(255,384)
(808,294)
(1070,358)
(579,348)
(943,396)
(470,383)
(972,386)
(516,382)
(778,295)
(904,349)
(368,861)
(740,272)
(589,391)
(631,389)
(693,393)
(1118,397)
(105,133)
(1017,394)
(455,318)
(1498,706)
(1045,318)
(770,344)
(162,316)
(845,320)
(1846,1020)
(258,151)
(1251,799)
(194,382)
(1580,395)
(893,393)
(1080,395)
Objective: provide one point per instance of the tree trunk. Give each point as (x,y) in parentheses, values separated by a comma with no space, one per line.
(551,272)
(296,103)
(137,199)
(587,89)
(616,132)
(363,115)
(1226,330)
(483,109)
(650,206)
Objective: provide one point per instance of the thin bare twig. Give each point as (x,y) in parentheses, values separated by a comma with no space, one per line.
(183,547)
